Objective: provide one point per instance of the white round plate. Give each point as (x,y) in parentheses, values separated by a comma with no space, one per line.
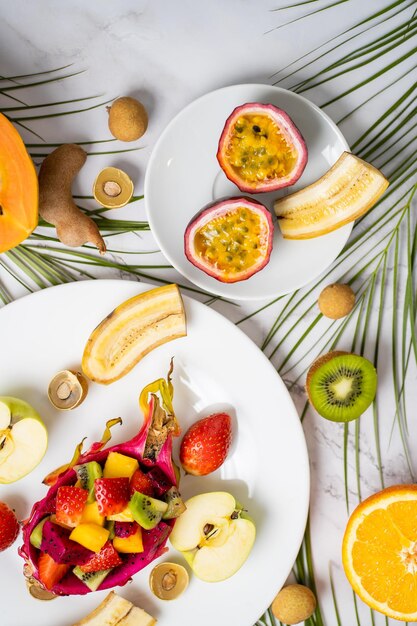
(216,367)
(183,176)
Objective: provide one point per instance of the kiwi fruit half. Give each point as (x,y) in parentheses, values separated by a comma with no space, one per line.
(93,580)
(147,511)
(341,386)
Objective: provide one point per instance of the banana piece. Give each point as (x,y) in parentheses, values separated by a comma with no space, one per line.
(347,191)
(116,611)
(108,613)
(132,330)
(137,617)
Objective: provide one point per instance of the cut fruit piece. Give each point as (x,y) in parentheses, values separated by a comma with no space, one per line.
(67,390)
(261,149)
(129,545)
(87,474)
(380,552)
(119,466)
(230,240)
(341,386)
(142,483)
(112,495)
(36,534)
(175,504)
(90,536)
(133,329)
(124,516)
(50,573)
(56,543)
(23,439)
(168,580)
(147,511)
(137,617)
(92,580)
(107,558)
(348,190)
(92,515)
(213,535)
(70,503)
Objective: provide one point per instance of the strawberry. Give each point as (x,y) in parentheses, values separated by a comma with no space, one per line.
(205,444)
(112,495)
(107,558)
(142,483)
(70,502)
(50,573)
(9,526)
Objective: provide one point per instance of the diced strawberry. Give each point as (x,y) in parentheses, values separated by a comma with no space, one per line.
(112,495)
(205,444)
(70,502)
(50,573)
(142,483)
(107,558)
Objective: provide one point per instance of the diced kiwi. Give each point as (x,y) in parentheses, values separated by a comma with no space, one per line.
(110,528)
(147,511)
(93,580)
(87,473)
(175,503)
(341,386)
(36,534)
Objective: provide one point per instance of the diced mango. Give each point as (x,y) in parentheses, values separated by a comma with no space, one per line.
(129,544)
(91,515)
(123,516)
(90,536)
(119,466)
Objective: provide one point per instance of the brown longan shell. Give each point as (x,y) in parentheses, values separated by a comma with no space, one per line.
(336,301)
(294,604)
(128,119)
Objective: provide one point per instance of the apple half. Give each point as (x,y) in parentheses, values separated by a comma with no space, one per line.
(214,535)
(23,439)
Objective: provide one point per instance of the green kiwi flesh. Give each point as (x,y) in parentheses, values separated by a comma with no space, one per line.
(147,511)
(93,580)
(175,503)
(87,474)
(341,386)
(36,534)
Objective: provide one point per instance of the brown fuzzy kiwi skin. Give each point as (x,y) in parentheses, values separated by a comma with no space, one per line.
(128,119)
(321,360)
(56,205)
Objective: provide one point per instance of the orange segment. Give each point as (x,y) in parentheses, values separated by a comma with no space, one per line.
(380,552)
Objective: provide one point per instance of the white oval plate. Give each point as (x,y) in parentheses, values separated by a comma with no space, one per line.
(216,367)
(183,175)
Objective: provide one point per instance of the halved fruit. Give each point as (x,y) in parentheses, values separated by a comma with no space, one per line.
(261,149)
(341,386)
(132,330)
(348,190)
(230,240)
(380,552)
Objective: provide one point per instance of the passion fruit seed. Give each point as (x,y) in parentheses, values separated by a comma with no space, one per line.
(128,119)
(294,604)
(113,188)
(336,301)
(258,149)
(168,581)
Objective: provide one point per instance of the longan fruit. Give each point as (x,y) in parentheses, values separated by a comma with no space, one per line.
(294,604)
(336,301)
(128,119)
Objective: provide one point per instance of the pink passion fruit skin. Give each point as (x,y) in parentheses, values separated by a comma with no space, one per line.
(287,128)
(219,209)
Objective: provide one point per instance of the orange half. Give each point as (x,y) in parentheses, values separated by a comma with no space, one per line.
(380,552)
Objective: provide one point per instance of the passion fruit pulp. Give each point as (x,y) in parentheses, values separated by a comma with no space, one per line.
(261,149)
(230,240)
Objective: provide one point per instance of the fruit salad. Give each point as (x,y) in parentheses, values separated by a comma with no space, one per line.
(109,512)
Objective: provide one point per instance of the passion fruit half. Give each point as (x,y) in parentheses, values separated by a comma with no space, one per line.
(261,149)
(230,240)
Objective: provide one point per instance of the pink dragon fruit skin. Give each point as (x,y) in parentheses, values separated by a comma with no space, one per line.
(160,456)
(56,543)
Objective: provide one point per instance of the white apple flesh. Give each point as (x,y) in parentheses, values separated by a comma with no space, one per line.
(213,537)
(23,439)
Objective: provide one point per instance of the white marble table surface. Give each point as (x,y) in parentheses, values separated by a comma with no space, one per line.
(167,53)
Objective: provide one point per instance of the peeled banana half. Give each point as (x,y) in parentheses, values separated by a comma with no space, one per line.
(116,611)
(132,330)
(347,191)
